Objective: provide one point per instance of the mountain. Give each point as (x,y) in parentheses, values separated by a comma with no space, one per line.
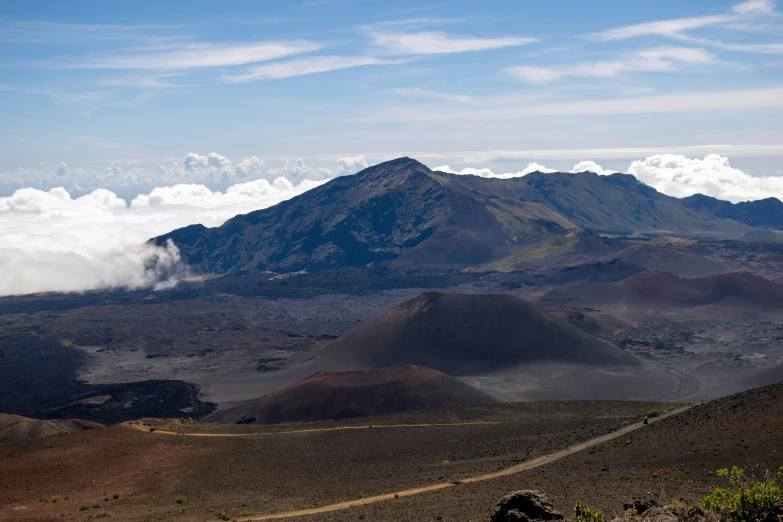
(16,427)
(656,289)
(468,334)
(341,395)
(400,210)
(760,213)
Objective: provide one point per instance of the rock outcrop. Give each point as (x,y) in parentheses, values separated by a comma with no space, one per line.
(525,505)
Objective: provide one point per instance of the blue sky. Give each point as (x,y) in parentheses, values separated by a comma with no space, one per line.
(480,84)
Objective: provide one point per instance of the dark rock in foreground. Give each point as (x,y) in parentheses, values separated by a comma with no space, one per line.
(525,505)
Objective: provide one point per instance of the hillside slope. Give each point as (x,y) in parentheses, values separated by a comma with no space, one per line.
(341,395)
(16,427)
(739,290)
(759,213)
(464,334)
(401,210)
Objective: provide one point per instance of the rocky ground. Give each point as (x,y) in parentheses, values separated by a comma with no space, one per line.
(270,470)
(675,459)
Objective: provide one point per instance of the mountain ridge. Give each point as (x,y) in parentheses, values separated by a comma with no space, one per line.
(401,211)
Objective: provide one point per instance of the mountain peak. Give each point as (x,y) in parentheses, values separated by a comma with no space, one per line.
(393,168)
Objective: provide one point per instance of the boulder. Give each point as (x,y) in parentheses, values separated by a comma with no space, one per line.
(525,505)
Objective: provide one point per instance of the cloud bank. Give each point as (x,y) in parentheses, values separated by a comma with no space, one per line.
(50,241)
(714,176)
(213,169)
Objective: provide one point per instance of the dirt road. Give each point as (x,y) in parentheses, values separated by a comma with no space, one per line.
(143,427)
(524,466)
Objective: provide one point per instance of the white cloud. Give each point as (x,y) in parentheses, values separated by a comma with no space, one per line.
(212,169)
(196,55)
(52,242)
(591,166)
(753,6)
(303,66)
(671,28)
(678,27)
(663,58)
(714,176)
(351,165)
(433,95)
(297,169)
(487,173)
(435,42)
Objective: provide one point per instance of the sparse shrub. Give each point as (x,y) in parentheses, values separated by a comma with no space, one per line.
(396,495)
(84,507)
(55,499)
(101,514)
(655,412)
(744,500)
(246,513)
(95,505)
(180,500)
(221,515)
(584,513)
(115,496)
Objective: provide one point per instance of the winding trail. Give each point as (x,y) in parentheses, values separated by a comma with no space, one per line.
(152,429)
(524,466)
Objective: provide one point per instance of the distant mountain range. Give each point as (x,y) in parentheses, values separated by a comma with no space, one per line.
(401,210)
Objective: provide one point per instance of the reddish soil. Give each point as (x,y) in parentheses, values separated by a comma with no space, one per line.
(339,395)
(282,471)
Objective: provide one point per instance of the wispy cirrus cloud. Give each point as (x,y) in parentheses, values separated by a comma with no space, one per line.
(662,58)
(677,28)
(196,55)
(672,28)
(488,110)
(303,66)
(755,6)
(433,95)
(437,42)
